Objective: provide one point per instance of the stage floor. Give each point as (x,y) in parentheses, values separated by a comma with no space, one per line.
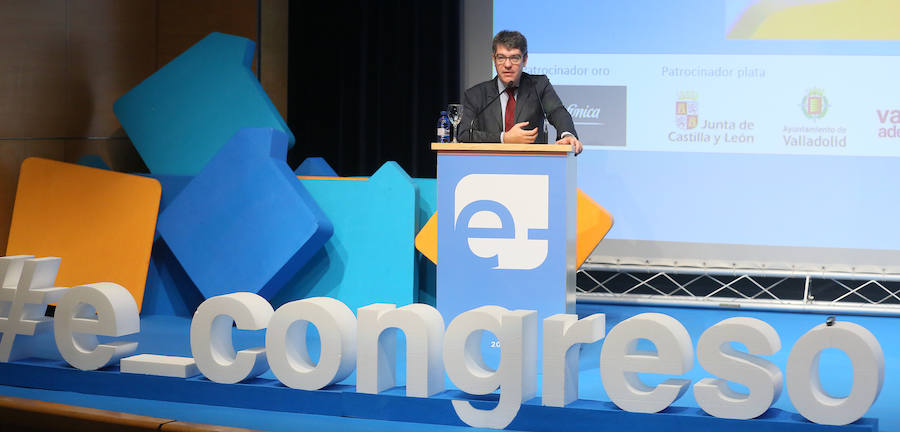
(169,335)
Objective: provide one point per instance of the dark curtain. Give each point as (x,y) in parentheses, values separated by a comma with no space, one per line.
(367,81)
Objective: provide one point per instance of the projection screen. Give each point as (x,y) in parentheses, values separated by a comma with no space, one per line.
(751,134)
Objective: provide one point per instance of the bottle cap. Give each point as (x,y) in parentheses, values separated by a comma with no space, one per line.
(443,112)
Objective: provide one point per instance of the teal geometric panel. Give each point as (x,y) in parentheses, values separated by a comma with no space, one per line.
(371,256)
(180,116)
(426,205)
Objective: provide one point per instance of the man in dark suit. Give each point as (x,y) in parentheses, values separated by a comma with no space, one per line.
(517,115)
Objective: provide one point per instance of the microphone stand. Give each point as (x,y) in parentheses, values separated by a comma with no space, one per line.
(497,96)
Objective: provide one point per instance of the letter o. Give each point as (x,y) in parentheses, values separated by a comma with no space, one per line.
(805,389)
(286,343)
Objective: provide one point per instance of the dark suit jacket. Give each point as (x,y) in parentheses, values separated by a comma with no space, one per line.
(489,123)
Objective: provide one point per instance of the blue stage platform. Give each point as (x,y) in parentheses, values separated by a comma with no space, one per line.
(264,403)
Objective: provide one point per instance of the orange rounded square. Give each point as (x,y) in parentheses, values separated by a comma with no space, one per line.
(101,223)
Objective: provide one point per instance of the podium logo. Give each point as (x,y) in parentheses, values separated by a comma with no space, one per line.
(504,218)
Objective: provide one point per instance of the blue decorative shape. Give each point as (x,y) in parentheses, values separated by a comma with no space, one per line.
(180,116)
(244,223)
(426,205)
(93,161)
(172,185)
(315,166)
(371,257)
(169,290)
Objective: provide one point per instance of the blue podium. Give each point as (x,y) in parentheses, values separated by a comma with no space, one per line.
(505,227)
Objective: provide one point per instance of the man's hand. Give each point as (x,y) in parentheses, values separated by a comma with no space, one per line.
(572,141)
(517,135)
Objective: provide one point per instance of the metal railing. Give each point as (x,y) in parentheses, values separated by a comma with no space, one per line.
(736,288)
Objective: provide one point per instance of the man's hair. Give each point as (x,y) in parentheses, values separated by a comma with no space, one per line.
(510,39)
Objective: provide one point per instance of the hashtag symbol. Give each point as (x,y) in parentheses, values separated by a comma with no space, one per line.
(26,287)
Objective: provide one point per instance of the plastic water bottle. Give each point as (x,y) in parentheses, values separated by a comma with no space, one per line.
(443,128)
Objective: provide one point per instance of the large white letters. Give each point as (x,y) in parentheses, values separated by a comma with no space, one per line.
(286,341)
(621,361)
(762,378)
(803,383)
(211,336)
(516,375)
(377,348)
(26,286)
(107,309)
(76,327)
(563,336)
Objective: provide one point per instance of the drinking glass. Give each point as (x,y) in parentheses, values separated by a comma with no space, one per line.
(455,112)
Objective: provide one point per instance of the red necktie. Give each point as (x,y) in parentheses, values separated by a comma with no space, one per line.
(510,115)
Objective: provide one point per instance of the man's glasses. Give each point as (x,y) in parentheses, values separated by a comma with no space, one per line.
(501,59)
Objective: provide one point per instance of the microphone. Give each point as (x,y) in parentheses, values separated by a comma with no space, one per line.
(541,103)
(478,113)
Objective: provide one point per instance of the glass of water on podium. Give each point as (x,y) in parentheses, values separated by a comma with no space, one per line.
(455,111)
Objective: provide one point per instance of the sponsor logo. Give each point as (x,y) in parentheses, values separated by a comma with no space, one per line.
(686,109)
(599,114)
(889,119)
(585,112)
(815,105)
(504,218)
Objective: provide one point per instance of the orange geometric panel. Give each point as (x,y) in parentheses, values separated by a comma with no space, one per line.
(592,224)
(101,223)
(426,239)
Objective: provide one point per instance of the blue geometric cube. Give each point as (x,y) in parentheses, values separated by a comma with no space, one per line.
(169,290)
(244,223)
(315,166)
